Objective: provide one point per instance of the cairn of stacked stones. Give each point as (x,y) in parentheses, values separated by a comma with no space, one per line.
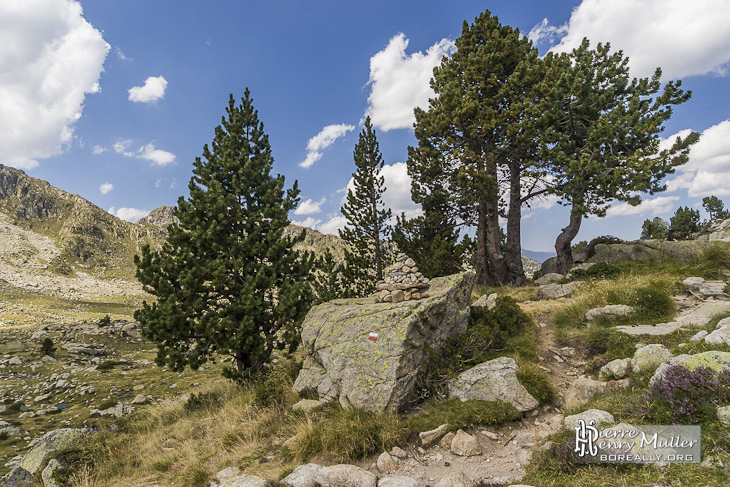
(402,282)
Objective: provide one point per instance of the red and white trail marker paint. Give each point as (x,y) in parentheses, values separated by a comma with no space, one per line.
(373,337)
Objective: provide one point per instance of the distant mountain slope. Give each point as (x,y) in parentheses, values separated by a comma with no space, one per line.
(87,237)
(537,256)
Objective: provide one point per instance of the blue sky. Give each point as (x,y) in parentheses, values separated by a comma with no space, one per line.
(114,99)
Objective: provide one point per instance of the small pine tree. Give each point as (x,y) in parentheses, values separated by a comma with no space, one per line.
(715,208)
(328,283)
(684,223)
(47,347)
(366,219)
(227,280)
(656,229)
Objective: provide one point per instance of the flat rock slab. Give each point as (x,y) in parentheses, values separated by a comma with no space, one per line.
(698,316)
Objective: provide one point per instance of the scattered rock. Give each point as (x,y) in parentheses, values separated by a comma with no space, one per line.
(430,437)
(719,336)
(398,481)
(306,405)
(495,380)
(723,415)
(616,369)
(302,476)
(246,481)
(139,399)
(597,415)
(117,411)
(445,442)
(486,301)
(344,476)
(649,358)
(697,337)
(550,278)
(610,310)
(465,445)
(455,480)
(693,282)
(713,289)
(581,390)
(398,453)
(554,291)
(386,464)
(227,474)
(697,316)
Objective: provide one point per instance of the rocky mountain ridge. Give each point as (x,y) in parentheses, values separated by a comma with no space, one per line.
(92,241)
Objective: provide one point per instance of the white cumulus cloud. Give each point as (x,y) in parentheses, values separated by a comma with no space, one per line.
(129,214)
(153,89)
(106,187)
(325,138)
(147,152)
(310,207)
(50,58)
(682,37)
(708,170)
(157,156)
(656,206)
(333,225)
(400,82)
(310,222)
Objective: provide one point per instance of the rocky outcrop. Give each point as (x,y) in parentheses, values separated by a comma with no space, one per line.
(367,354)
(609,310)
(554,291)
(599,416)
(717,361)
(495,380)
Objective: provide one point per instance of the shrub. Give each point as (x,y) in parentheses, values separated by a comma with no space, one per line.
(489,330)
(108,404)
(350,433)
(600,270)
(202,401)
(462,414)
(277,386)
(536,382)
(105,321)
(108,365)
(686,396)
(47,347)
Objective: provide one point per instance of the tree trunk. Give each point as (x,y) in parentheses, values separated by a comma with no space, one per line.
(564,259)
(513,253)
(481,260)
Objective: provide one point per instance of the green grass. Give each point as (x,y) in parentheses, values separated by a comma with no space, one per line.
(536,382)
(461,414)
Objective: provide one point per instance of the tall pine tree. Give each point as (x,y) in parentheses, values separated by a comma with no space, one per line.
(227,281)
(366,218)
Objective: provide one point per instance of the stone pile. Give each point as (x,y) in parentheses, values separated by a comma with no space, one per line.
(402,282)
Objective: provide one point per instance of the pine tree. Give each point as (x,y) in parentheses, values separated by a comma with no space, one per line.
(684,223)
(227,281)
(366,218)
(478,137)
(603,135)
(715,207)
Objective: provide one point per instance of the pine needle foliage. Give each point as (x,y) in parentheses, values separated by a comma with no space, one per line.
(227,281)
(366,217)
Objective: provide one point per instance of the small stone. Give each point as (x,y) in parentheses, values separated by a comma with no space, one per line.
(410,262)
(398,453)
(430,437)
(416,295)
(465,445)
(445,442)
(397,296)
(386,464)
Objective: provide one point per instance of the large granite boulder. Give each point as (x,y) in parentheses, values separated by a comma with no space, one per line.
(367,354)
(495,380)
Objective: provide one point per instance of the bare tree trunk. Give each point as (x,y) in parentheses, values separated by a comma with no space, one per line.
(564,259)
(481,259)
(513,254)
